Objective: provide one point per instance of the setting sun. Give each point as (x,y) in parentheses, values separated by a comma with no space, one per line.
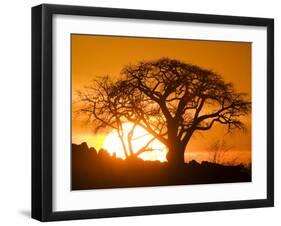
(156,150)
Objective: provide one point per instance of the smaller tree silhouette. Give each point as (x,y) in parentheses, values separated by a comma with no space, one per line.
(219,150)
(102,104)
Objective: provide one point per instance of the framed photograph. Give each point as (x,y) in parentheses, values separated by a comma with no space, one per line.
(146,112)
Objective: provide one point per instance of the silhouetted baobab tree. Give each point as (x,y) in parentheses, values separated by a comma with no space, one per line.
(171,100)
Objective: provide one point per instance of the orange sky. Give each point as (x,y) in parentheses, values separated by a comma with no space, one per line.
(106,55)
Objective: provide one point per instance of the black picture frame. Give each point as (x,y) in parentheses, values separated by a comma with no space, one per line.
(42,111)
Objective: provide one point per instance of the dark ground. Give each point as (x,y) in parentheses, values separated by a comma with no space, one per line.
(92,170)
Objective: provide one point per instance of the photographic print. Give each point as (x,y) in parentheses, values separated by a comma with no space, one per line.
(159,112)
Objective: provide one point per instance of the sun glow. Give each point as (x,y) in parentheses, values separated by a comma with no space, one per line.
(156,149)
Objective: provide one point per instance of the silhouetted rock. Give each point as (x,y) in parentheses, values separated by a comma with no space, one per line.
(193,163)
(83,146)
(103,154)
(92,149)
(93,152)
(74,146)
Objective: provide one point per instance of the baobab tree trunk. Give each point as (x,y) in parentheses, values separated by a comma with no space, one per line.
(175,155)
